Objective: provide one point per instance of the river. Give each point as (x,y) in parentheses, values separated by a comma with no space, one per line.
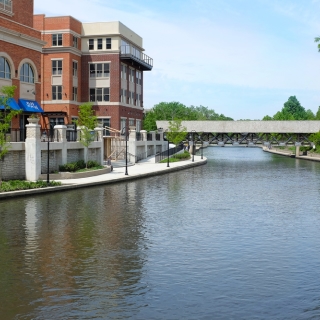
(238,238)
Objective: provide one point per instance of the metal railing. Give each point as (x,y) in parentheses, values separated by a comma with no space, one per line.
(49,134)
(6,5)
(149,137)
(133,53)
(139,136)
(16,135)
(164,155)
(157,136)
(72,135)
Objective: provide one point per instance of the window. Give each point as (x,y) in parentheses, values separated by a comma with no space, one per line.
(5,71)
(131,75)
(105,123)
(99,94)
(75,94)
(55,121)
(138,101)
(56,92)
(99,44)
(56,66)
(131,97)
(131,122)
(57,40)
(26,73)
(123,125)
(6,5)
(138,77)
(91,44)
(108,43)
(75,42)
(123,72)
(75,68)
(138,125)
(123,95)
(98,70)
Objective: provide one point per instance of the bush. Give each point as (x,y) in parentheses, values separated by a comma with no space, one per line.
(14,185)
(92,164)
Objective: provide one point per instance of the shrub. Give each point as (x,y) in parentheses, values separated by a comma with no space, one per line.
(91,164)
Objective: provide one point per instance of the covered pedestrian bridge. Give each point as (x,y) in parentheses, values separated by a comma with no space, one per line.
(268,133)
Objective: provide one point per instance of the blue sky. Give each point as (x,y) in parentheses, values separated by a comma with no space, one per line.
(242,58)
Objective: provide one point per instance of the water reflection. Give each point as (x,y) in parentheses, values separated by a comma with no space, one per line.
(235,238)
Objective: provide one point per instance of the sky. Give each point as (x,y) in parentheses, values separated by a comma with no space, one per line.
(241,58)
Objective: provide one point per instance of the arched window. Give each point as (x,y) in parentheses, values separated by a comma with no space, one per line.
(5,71)
(26,73)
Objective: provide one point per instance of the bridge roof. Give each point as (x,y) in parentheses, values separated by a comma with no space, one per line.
(247,126)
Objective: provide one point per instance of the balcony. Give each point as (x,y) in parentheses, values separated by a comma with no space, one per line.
(141,60)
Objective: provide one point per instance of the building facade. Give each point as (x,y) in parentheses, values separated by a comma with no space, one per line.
(59,63)
(20,57)
(101,63)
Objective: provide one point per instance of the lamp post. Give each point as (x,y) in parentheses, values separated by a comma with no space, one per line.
(124,129)
(166,136)
(201,146)
(193,143)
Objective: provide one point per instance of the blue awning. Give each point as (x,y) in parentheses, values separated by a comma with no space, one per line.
(30,106)
(12,104)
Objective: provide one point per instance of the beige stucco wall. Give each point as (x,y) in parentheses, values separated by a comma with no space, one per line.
(114,29)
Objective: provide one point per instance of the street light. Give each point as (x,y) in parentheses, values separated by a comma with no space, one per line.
(193,143)
(201,146)
(166,137)
(124,131)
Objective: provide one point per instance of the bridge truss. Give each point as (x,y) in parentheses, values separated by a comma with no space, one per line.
(251,139)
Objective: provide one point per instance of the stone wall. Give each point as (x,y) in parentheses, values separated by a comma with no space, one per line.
(54,157)
(14,166)
(74,155)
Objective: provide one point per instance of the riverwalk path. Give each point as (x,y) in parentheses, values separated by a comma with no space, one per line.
(144,168)
(288,153)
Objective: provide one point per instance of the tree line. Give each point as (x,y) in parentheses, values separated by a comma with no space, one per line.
(177,111)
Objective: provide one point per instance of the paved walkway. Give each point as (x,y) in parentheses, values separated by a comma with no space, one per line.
(142,169)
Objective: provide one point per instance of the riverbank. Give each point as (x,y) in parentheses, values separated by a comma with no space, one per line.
(145,168)
(288,153)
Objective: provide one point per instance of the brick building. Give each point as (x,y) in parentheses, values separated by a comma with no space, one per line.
(98,62)
(20,57)
(60,63)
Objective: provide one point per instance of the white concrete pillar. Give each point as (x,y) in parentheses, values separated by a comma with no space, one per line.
(143,135)
(132,135)
(99,133)
(33,151)
(61,137)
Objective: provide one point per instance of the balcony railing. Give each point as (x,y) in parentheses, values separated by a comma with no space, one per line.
(129,52)
(6,5)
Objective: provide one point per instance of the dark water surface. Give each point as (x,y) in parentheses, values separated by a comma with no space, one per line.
(238,238)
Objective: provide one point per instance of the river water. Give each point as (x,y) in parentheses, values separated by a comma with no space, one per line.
(238,238)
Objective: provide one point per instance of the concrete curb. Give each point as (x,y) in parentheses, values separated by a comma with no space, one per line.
(292,155)
(163,170)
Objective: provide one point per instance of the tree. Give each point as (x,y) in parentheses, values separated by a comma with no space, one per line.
(177,111)
(292,110)
(177,132)
(87,122)
(317,39)
(6,116)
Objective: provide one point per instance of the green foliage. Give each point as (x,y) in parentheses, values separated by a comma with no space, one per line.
(14,185)
(317,39)
(177,132)
(78,165)
(315,138)
(292,110)
(177,111)
(177,157)
(87,121)
(6,117)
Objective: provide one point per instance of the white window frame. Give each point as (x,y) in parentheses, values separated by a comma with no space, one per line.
(56,67)
(104,93)
(74,93)
(101,67)
(75,68)
(57,38)
(55,91)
